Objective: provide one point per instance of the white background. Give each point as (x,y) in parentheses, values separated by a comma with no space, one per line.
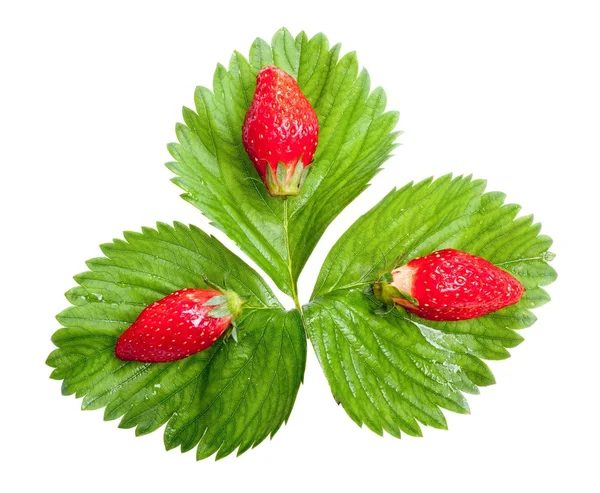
(90,93)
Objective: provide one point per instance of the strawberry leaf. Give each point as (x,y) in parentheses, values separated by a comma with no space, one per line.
(230,396)
(212,166)
(395,370)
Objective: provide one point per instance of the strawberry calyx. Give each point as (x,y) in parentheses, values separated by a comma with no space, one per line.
(390,296)
(286,180)
(228,304)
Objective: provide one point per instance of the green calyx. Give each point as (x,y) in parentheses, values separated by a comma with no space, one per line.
(286,180)
(385,292)
(227,305)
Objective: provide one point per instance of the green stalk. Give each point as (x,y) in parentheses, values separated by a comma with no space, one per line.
(293,284)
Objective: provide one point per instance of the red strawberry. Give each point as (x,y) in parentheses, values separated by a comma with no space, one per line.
(280,132)
(452,285)
(178,326)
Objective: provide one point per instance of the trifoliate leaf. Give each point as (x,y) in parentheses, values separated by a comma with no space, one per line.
(232,395)
(394,370)
(213,168)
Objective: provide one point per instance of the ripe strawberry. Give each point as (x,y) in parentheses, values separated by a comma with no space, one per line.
(280,132)
(451,285)
(178,325)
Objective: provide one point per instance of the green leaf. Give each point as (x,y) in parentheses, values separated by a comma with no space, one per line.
(391,369)
(213,168)
(383,370)
(230,396)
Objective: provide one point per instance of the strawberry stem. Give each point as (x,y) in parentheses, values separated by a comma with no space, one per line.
(293,284)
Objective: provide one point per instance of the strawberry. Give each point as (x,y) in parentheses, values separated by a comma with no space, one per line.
(450,285)
(178,325)
(280,132)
